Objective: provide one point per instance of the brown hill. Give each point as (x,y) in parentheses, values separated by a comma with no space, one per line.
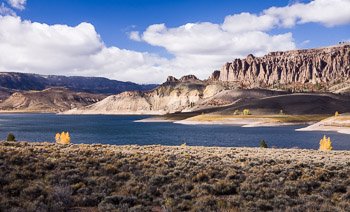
(301,103)
(48,100)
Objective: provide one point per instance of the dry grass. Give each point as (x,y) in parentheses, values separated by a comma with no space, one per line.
(49,177)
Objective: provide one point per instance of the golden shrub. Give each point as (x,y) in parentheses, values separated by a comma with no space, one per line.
(326,144)
(336,113)
(63,138)
(246,112)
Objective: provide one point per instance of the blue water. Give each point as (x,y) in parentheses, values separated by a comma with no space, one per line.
(121,130)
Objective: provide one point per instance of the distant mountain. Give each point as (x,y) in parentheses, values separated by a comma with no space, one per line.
(49,100)
(99,85)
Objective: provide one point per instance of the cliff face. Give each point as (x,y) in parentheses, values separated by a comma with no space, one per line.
(174,95)
(325,66)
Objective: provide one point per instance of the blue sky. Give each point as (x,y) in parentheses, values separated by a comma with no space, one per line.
(196,38)
(114,18)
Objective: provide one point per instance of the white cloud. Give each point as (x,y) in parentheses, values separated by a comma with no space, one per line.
(198,48)
(199,39)
(17,4)
(60,49)
(244,22)
(326,12)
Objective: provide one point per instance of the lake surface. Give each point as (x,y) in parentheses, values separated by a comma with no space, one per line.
(122,130)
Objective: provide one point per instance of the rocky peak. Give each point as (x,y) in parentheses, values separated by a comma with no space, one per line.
(326,66)
(215,76)
(171,79)
(188,78)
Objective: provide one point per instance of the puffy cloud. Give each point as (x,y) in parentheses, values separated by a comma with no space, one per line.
(326,12)
(60,49)
(198,39)
(244,22)
(17,4)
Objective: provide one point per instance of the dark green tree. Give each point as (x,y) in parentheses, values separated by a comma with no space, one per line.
(263,144)
(11,137)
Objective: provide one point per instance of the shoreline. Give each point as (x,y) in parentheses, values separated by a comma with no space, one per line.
(314,122)
(243,121)
(340,124)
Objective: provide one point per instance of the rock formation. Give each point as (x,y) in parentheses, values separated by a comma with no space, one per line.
(322,66)
(172,96)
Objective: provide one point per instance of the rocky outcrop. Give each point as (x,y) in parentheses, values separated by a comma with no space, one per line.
(215,76)
(323,66)
(49,100)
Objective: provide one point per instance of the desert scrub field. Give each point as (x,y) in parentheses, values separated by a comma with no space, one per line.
(52,177)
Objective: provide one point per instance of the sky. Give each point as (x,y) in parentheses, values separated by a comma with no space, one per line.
(145,41)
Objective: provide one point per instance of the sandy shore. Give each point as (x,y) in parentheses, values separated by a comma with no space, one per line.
(252,120)
(154,120)
(260,122)
(316,127)
(340,124)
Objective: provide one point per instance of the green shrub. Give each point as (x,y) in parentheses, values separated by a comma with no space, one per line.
(11,137)
(263,144)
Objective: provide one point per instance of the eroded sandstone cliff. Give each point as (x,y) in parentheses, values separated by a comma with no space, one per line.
(323,67)
(175,95)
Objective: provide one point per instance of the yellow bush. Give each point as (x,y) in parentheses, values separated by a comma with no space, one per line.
(326,144)
(336,113)
(246,112)
(63,138)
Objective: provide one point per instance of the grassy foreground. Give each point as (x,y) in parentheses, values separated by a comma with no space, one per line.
(51,177)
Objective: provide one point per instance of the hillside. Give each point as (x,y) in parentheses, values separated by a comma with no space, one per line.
(49,100)
(175,95)
(27,82)
(293,104)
